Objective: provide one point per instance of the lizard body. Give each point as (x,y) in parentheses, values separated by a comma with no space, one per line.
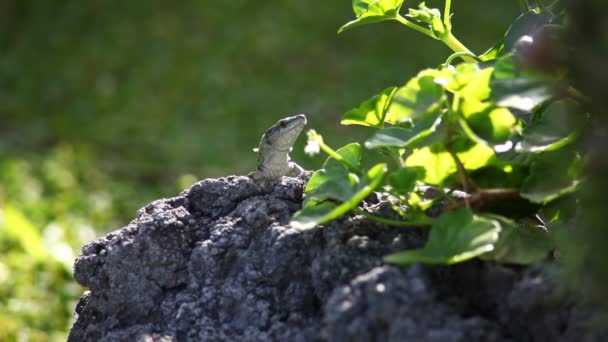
(273,151)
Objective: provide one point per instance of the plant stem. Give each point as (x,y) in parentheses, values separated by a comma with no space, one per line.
(446,15)
(421,222)
(449,39)
(462,55)
(400,161)
(456,46)
(480,197)
(411,25)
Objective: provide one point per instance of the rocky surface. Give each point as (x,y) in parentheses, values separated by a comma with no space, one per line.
(220,263)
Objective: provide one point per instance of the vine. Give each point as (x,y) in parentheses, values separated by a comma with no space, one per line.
(492,126)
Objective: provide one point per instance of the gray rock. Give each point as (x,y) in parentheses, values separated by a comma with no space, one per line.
(220,263)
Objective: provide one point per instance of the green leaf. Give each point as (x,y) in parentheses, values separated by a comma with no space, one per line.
(500,175)
(315,213)
(371,112)
(520,243)
(552,175)
(330,185)
(492,124)
(428,17)
(561,209)
(422,132)
(514,88)
(527,24)
(421,95)
(335,180)
(350,153)
(371,11)
(455,237)
(494,52)
(559,124)
(439,164)
(404,180)
(423,14)
(312,214)
(471,81)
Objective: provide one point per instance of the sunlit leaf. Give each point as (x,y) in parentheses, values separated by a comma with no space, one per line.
(455,237)
(494,52)
(418,96)
(371,11)
(315,213)
(371,112)
(427,17)
(330,185)
(488,122)
(335,180)
(439,164)
(350,153)
(423,131)
(471,81)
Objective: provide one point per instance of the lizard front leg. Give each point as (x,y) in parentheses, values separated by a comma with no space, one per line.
(294,169)
(260,179)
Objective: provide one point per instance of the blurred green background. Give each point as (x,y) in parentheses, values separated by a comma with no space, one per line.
(107,105)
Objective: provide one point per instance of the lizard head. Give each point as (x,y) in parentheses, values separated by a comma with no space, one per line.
(282,135)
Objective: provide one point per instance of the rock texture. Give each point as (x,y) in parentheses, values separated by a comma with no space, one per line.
(220,263)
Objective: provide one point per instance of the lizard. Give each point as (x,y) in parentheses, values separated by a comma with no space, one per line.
(273,151)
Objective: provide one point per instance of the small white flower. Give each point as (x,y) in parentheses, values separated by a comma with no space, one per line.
(312,147)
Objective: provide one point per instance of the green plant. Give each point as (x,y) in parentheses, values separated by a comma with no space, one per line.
(48,208)
(501,126)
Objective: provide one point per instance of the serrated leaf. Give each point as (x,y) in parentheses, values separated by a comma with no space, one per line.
(370,113)
(552,175)
(493,124)
(439,164)
(520,243)
(421,95)
(422,132)
(559,124)
(371,11)
(455,237)
(315,213)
